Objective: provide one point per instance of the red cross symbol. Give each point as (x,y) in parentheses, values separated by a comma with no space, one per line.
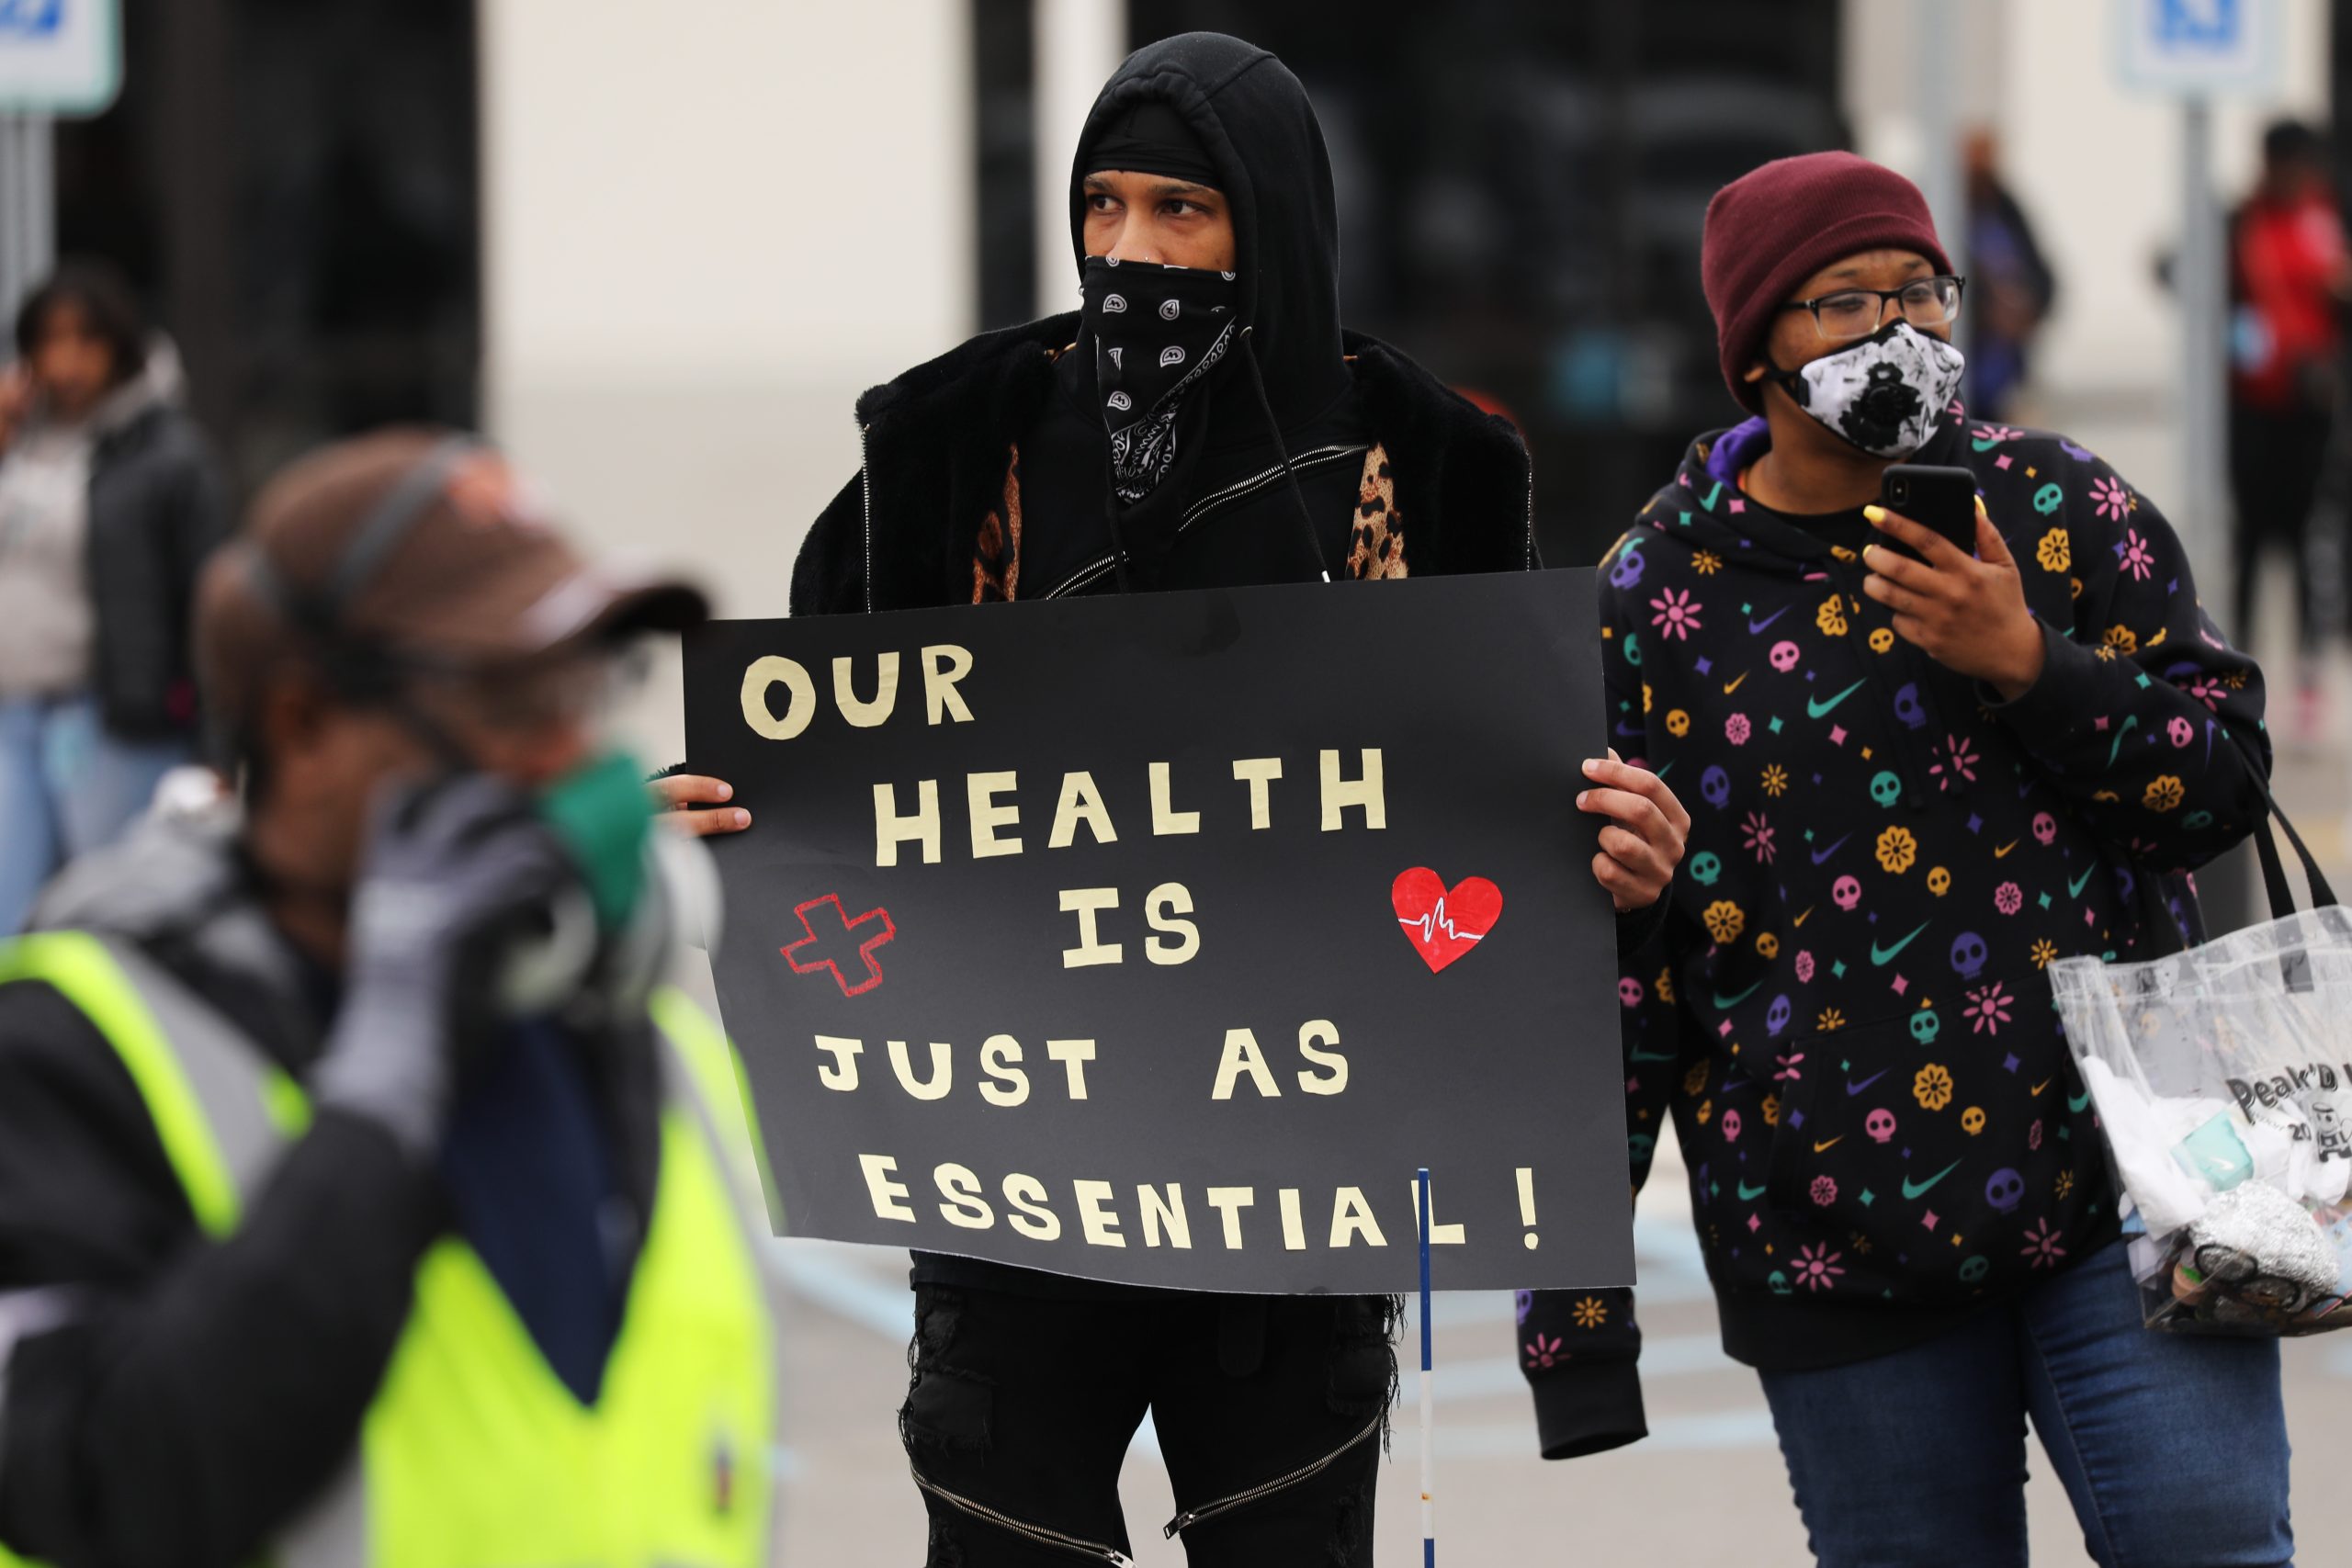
(840,925)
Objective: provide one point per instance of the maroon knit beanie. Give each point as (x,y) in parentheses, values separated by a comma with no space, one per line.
(1774,227)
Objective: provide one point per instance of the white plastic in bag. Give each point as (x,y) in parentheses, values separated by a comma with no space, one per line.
(2222,1078)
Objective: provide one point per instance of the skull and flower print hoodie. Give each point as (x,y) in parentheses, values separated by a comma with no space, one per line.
(1844,1012)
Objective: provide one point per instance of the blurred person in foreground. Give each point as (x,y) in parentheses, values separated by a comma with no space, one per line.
(110,502)
(1202,421)
(2009,277)
(1925,773)
(362,1198)
(2288,280)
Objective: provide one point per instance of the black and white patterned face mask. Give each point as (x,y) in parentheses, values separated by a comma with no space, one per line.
(1157,331)
(1884,393)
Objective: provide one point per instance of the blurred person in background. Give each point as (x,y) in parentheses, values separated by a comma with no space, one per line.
(109,501)
(363,1198)
(1200,421)
(1927,772)
(2010,284)
(2288,280)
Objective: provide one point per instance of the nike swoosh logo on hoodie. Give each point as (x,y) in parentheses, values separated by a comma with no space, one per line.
(1815,707)
(1881,956)
(1913,1189)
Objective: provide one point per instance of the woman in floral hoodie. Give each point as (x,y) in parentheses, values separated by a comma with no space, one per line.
(1916,779)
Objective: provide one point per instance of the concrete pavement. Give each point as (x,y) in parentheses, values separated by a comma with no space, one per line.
(1708,1477)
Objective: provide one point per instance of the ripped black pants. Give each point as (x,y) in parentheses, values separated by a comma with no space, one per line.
(1021,1409)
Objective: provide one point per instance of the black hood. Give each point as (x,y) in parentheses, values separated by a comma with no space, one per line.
(1254,120)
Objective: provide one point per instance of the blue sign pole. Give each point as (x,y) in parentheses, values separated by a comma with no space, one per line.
(57,58)
(1429,1394)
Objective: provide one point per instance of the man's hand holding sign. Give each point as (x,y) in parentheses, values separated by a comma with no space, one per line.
(1180,990)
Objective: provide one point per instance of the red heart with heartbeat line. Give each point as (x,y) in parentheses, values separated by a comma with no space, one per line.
(1441,922)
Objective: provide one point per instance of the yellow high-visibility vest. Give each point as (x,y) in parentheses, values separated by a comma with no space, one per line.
(474,1454)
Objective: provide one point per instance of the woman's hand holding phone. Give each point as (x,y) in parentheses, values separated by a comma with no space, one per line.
(1968,614)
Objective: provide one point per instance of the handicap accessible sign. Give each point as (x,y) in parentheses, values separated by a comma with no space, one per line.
(2199,48)
(60,57)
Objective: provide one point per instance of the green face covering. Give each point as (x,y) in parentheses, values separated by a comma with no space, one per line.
(600,812)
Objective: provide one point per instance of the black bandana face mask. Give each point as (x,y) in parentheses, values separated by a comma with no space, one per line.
(1157,331)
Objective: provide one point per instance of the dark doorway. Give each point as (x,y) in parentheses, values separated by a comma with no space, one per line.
(294,185)
(1522,185)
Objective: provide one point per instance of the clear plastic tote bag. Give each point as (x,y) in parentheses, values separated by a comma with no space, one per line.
(2222,1078)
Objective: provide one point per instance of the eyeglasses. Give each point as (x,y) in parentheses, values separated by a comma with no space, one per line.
(1857,312)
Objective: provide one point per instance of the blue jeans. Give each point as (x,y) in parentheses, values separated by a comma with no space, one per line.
(2173,1448)
(66,787)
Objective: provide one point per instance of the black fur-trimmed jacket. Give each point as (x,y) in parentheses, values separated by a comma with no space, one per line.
(918,526)
(905,533)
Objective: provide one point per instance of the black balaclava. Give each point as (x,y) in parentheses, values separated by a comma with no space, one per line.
(1213,109)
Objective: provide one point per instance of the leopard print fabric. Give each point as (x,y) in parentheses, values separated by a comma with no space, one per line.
(996,566)
(1377,549)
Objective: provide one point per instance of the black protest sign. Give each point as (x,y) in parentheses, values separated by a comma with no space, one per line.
(1159,939)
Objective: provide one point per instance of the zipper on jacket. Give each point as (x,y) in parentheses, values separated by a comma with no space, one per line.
(1091,573)
(866,496)
(1192,1517)
(1037,1533)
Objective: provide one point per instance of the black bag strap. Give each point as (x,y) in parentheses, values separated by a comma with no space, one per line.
(2274,870)
(2295,966)
(2163,928)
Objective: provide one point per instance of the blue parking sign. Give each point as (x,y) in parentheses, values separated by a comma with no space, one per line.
(60,57)
(2198,48)
(31,18)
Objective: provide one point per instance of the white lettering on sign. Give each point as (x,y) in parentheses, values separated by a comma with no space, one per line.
(943,666)
(980,791)
(1086,903)
(919,826)
(890,1197)
(993,810)
(1259,773)
(1366,791)
(1160,1213)
(1080,802)
(864,715)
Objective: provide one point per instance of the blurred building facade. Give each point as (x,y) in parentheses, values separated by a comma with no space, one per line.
(296,188)
(658,250)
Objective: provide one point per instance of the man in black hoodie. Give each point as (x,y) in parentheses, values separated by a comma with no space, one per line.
(1203,422)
